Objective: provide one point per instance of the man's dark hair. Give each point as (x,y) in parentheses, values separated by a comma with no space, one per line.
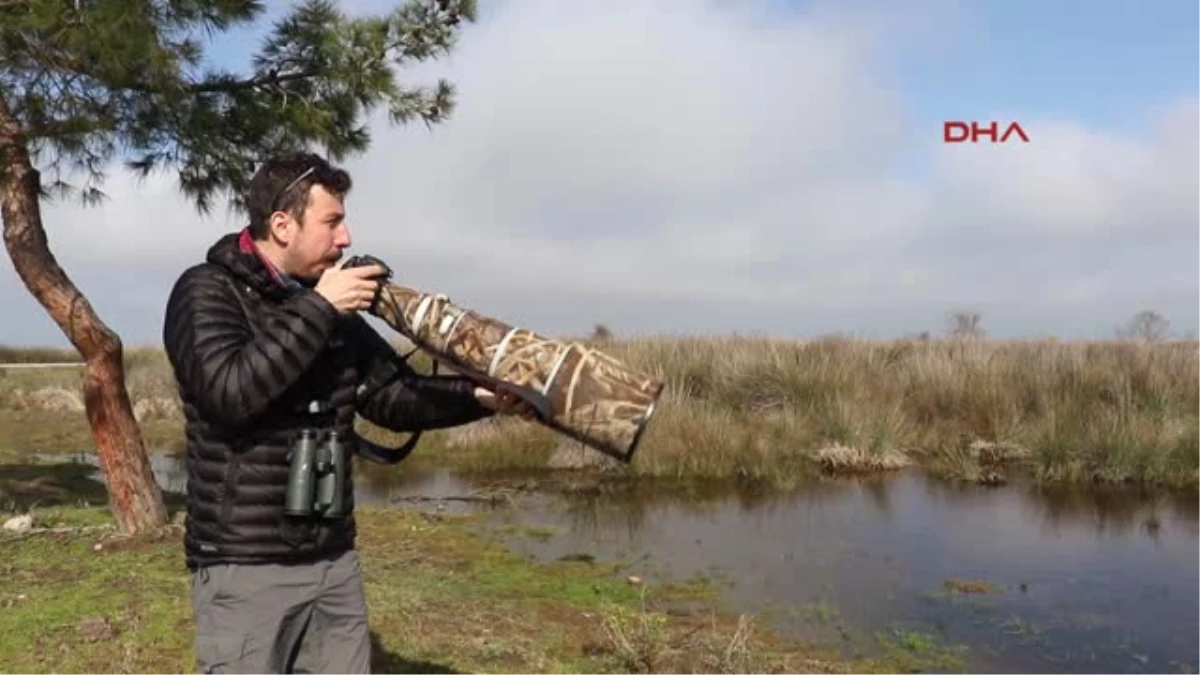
(282,184)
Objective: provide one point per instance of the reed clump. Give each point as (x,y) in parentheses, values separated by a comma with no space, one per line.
(764,410)
(768,410)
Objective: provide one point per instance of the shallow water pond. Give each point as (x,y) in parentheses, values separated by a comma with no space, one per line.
(1027,579)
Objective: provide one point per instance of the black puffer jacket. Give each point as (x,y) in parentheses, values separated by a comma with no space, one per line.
(249,356)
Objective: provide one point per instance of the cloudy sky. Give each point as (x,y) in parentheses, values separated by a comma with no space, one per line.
(769,167)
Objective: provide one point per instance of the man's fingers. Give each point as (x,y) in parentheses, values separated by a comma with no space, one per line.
(506,402)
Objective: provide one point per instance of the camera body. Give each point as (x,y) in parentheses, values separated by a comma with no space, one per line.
(365,260)
(316,475)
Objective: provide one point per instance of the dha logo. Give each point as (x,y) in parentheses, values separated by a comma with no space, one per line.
(960,132)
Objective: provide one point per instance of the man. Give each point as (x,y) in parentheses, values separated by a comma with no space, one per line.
(265,340)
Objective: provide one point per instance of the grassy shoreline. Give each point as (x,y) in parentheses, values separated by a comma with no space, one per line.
(441,598)
(775,412)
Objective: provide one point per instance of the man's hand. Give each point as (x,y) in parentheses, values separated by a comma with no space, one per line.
(506,403)
(350,290)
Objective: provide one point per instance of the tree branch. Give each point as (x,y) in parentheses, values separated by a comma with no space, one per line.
(62,128)
(61,61)
(272,78)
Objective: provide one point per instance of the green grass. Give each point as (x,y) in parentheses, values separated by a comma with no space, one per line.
(911,651)
(442,598)
(776,412)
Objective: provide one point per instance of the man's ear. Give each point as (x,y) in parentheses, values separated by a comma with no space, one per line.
(281,227)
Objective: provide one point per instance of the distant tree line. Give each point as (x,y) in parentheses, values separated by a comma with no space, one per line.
(1146,326)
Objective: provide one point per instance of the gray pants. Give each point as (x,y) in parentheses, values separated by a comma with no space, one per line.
(282,618)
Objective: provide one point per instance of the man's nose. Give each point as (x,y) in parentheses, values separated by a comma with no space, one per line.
(342,237)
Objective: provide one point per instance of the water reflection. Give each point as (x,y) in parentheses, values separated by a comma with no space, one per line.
(1080,580)
(170,471)
(380,484)
(1114,512)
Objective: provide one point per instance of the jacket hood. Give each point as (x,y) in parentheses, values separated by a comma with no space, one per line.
(236,253)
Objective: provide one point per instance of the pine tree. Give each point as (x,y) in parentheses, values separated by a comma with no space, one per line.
(85,84)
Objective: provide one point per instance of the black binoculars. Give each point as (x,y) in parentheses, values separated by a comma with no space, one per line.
(316,475)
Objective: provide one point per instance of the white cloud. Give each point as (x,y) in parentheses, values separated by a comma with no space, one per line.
(691,166)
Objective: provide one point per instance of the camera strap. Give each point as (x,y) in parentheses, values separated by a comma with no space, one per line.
(382,372)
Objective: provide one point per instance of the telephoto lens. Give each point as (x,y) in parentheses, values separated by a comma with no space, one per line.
(300,486)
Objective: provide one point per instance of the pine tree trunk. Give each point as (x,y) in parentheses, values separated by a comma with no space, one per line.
(133,496)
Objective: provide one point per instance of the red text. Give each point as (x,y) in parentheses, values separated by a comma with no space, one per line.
(959,132)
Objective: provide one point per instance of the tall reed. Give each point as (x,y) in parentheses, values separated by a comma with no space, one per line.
(758,409)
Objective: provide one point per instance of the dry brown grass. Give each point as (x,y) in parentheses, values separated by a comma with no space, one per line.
(764,410)
(760,409)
